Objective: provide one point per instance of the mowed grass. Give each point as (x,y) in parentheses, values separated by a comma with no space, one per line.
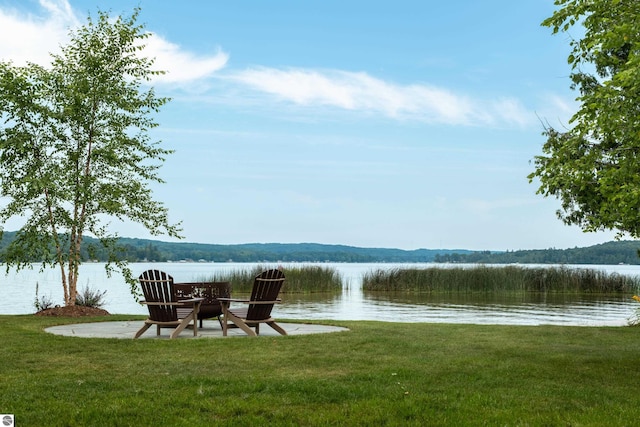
(376,374)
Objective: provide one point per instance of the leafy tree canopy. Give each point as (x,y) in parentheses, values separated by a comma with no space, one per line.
(75,149)
(593,166)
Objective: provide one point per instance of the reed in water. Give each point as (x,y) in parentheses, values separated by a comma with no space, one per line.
(302,279)
(499,279)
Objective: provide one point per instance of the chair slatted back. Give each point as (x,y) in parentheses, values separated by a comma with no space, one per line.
(157,287)
(266,287)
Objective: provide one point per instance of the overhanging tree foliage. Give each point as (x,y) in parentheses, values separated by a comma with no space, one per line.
(75,150)
(593,166)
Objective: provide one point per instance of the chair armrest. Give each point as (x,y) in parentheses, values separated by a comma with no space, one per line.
(159,303)
(232,300)
(177,303)
(191,300)
(247,301)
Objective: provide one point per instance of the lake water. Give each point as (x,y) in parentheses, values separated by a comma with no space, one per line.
(18,290)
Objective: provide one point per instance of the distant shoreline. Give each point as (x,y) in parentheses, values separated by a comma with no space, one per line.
(146,250)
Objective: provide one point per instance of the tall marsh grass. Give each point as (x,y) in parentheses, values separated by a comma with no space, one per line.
(303,279)
(499,279)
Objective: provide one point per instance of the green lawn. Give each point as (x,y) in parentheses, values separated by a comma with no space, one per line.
(376,374)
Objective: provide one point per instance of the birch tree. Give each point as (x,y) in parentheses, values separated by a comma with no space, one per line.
(75,150)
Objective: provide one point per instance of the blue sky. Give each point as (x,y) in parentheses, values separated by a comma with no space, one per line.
(405,124)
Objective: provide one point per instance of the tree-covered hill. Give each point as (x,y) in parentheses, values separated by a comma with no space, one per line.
(619,252)
(136,250)
(272,252)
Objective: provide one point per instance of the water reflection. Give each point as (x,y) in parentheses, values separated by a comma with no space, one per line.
(521,309)
(18,290)
(514,308)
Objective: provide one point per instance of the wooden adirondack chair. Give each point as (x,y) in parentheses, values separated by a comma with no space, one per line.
(160,298)
(264,295)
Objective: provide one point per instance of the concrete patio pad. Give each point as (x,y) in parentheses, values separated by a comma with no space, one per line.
(211,329)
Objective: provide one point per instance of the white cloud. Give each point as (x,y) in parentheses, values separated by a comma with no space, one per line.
(510,110)
(30,38)
(557,110)
(362,92)
(181,66)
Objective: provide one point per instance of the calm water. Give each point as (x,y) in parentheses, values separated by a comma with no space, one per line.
(18,291)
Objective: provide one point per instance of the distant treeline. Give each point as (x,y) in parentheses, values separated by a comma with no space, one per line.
(622,252)
(139,250)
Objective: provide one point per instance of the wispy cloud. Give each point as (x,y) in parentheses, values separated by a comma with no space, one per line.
(31,38)
(182,66)
(557,110)
(358,91)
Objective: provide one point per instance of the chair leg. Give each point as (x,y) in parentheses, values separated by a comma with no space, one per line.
(246,328)
(195,325)
(185,322)
(220,321)
(277,327)
(225,322)
(142,330)
(239,323)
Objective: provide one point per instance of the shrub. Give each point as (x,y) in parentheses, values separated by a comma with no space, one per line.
(88,297)
(42,302)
